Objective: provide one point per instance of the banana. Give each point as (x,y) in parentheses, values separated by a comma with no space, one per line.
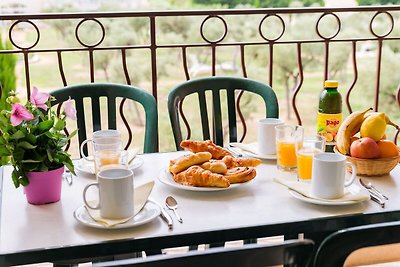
(387,119)
(349,127)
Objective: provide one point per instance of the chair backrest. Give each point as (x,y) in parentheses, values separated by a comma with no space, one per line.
(334,250)
(111,92)
(234,87)
(291,253)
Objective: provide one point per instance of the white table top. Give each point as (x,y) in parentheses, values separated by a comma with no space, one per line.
(260,202)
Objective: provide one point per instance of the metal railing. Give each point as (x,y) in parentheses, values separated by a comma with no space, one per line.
(282,17)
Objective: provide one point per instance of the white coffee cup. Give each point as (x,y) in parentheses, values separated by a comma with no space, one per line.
(115,193)
(104,139)
(266,135)
(329,175)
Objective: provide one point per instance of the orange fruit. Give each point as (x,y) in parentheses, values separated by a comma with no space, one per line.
(388,148)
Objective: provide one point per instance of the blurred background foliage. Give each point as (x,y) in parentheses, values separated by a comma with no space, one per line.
(186,29)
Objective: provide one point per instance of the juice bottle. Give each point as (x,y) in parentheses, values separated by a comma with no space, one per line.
(329,113)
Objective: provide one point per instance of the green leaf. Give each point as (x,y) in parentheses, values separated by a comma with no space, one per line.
(15,179)
(72,134)
(4,151)
(31,138)
(60,125)
(49,155)
(24,180)
(26,145)
(17,135)
(2,140)
(45,125)
(68,163)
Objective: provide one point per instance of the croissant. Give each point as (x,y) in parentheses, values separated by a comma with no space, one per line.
(217,152)
(197,176)
(240,174)
(216,166)
(184,162)
(232,162)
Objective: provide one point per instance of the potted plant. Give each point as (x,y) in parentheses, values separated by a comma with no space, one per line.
(32,140)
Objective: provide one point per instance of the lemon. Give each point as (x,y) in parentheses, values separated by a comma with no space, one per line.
(374,126)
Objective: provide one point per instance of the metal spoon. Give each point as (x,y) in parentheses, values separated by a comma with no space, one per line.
(371,187)
(171,203)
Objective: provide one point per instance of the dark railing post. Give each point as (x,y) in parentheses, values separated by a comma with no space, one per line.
(153,51)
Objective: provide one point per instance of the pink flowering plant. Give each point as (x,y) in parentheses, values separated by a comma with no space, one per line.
(32,137)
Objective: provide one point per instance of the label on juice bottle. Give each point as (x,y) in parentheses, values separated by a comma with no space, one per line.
(328,126)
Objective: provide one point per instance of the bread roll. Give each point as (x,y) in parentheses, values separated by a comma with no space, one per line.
(232,162)
(184,162)
(240,174)
(197,176)
(217,152)
(216,166)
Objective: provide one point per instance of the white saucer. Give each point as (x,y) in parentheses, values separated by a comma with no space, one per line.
(253,148)
(165,177)
(149,212)
(322,202)
(85,168)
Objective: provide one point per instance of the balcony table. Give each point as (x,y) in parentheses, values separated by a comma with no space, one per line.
(260,208)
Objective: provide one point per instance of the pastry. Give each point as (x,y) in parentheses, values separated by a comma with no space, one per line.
(240,174)
(217,152)
(216,166)
(232,162)
(197,176)
(184,162)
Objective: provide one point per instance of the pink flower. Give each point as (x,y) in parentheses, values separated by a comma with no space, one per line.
(39,99)
(69,109)
(19,113)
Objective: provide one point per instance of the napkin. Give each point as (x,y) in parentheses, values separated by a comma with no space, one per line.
(305,189)
(140,196)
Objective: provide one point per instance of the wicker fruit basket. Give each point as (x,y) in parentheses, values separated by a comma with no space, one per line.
(373,167)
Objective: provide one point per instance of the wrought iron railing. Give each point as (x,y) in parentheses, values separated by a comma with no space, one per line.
(281,22)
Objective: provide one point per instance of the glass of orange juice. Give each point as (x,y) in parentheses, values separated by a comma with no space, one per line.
(305,151)
(110,159)
(286,138)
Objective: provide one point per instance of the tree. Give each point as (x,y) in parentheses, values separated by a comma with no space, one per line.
(8,79)
(378,2)
(257,3)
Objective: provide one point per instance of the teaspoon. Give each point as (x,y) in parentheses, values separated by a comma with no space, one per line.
(171,203)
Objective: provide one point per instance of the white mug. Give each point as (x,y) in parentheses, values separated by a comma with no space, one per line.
(266,135)
(329,175)
(115,189)
(112,138)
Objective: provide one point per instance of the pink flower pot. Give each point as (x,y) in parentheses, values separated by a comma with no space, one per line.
(44,187)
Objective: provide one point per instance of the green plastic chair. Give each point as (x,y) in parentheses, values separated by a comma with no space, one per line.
(232,86)
(111,92)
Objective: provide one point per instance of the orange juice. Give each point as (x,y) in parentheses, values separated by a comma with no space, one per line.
(106,159)
(304,163)
(286,155)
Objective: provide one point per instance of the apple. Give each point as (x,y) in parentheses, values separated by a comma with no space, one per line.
(364,148)
(352,139)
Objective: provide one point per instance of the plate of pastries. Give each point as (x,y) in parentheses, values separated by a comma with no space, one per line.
(208,167)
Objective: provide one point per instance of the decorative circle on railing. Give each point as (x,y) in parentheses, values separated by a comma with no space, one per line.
(20,46)
(372,21)
(261,24)
(103,32)
(223,34)
(339,26)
